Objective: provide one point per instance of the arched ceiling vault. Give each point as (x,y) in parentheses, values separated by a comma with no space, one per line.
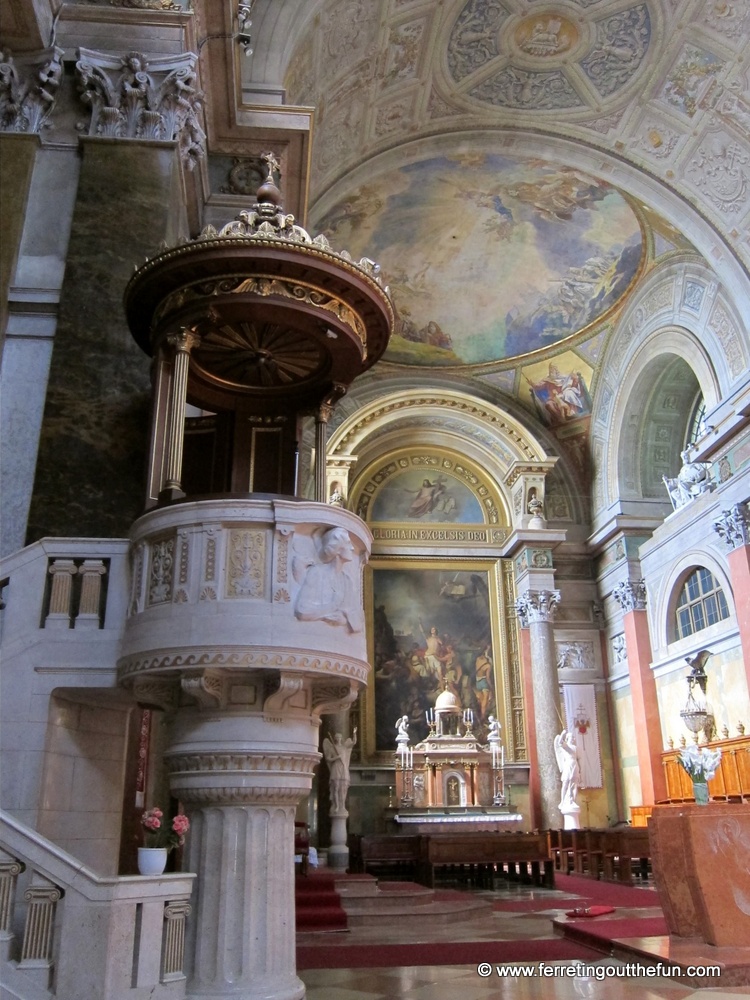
(659,85)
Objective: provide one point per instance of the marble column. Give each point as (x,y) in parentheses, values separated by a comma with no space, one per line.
(240,777)
(97,409)
(535,805)
(632,599)
(734,527)
(538,608)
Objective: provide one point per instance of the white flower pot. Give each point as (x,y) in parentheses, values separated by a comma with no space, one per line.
(152,860)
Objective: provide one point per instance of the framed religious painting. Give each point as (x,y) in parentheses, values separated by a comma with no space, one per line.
(433,624)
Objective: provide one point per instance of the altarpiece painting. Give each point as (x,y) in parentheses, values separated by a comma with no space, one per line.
(431,627)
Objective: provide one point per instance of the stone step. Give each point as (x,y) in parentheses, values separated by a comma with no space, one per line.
(407,894)
(396,910)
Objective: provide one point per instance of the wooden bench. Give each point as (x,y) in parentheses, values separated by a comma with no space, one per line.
(484,855)
(394,856)
(620,848)
(589,852)
(562,846)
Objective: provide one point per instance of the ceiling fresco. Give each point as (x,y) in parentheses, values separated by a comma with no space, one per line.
(662,85)
(489,257)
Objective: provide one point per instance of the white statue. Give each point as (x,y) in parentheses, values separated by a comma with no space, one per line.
(566,753)
(328,592)
(493,734)
(338,753)
(402,731)
(693,479)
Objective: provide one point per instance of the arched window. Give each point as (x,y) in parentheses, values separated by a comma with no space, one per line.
(702,603)
(696,423)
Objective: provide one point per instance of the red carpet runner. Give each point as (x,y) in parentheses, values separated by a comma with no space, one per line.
(318,905)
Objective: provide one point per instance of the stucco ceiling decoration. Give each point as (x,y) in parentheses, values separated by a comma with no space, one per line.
(552,57)
(662,85)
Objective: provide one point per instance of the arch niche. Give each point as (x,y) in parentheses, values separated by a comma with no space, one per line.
(442,480)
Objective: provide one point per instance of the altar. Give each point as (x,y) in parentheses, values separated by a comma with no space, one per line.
(449,781)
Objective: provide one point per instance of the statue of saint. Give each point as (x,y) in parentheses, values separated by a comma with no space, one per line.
(338,753)
(402,730)
(566,753)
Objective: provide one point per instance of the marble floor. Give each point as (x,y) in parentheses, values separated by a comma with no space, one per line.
(600,978)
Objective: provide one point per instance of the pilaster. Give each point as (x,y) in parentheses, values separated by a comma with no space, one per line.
(631,596)
(734,527)
(96,415)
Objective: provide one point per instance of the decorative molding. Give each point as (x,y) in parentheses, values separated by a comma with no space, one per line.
(733,526)
(161,566)
(631,596)
(243,658)
(206,688)
(264,285)
(291,694)
(28,89)
(260,762)
(535,606)
(135,97)
(246,563)
(156,692)
(332,698)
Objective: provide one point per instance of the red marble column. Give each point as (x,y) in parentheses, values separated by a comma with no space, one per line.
(632,599)
(535,802)
(734,527)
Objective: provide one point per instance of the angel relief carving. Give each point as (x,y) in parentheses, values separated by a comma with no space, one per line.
(322,564)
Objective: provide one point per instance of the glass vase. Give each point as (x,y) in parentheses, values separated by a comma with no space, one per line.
(700,792)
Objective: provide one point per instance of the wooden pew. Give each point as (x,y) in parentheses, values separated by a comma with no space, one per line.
(394,855)
(562,849)
(483,854)
(589,852)
(620,848)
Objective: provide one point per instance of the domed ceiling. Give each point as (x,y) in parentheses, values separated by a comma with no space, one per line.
(488,256)
(662,86)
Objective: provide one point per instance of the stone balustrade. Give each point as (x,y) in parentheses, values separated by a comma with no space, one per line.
(58,920)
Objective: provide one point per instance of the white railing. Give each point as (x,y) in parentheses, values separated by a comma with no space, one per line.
(66,584)
(75,935)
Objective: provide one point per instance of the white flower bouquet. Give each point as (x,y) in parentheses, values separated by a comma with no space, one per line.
(701,765)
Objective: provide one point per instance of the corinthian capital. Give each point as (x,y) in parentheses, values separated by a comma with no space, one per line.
(139,97)
(537,606)
(28,89)
(734,526)
(630,596)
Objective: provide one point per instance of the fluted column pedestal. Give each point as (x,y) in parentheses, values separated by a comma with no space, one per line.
(240,777)
(537,608)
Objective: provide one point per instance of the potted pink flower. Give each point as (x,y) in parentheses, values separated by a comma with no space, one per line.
(160,838)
